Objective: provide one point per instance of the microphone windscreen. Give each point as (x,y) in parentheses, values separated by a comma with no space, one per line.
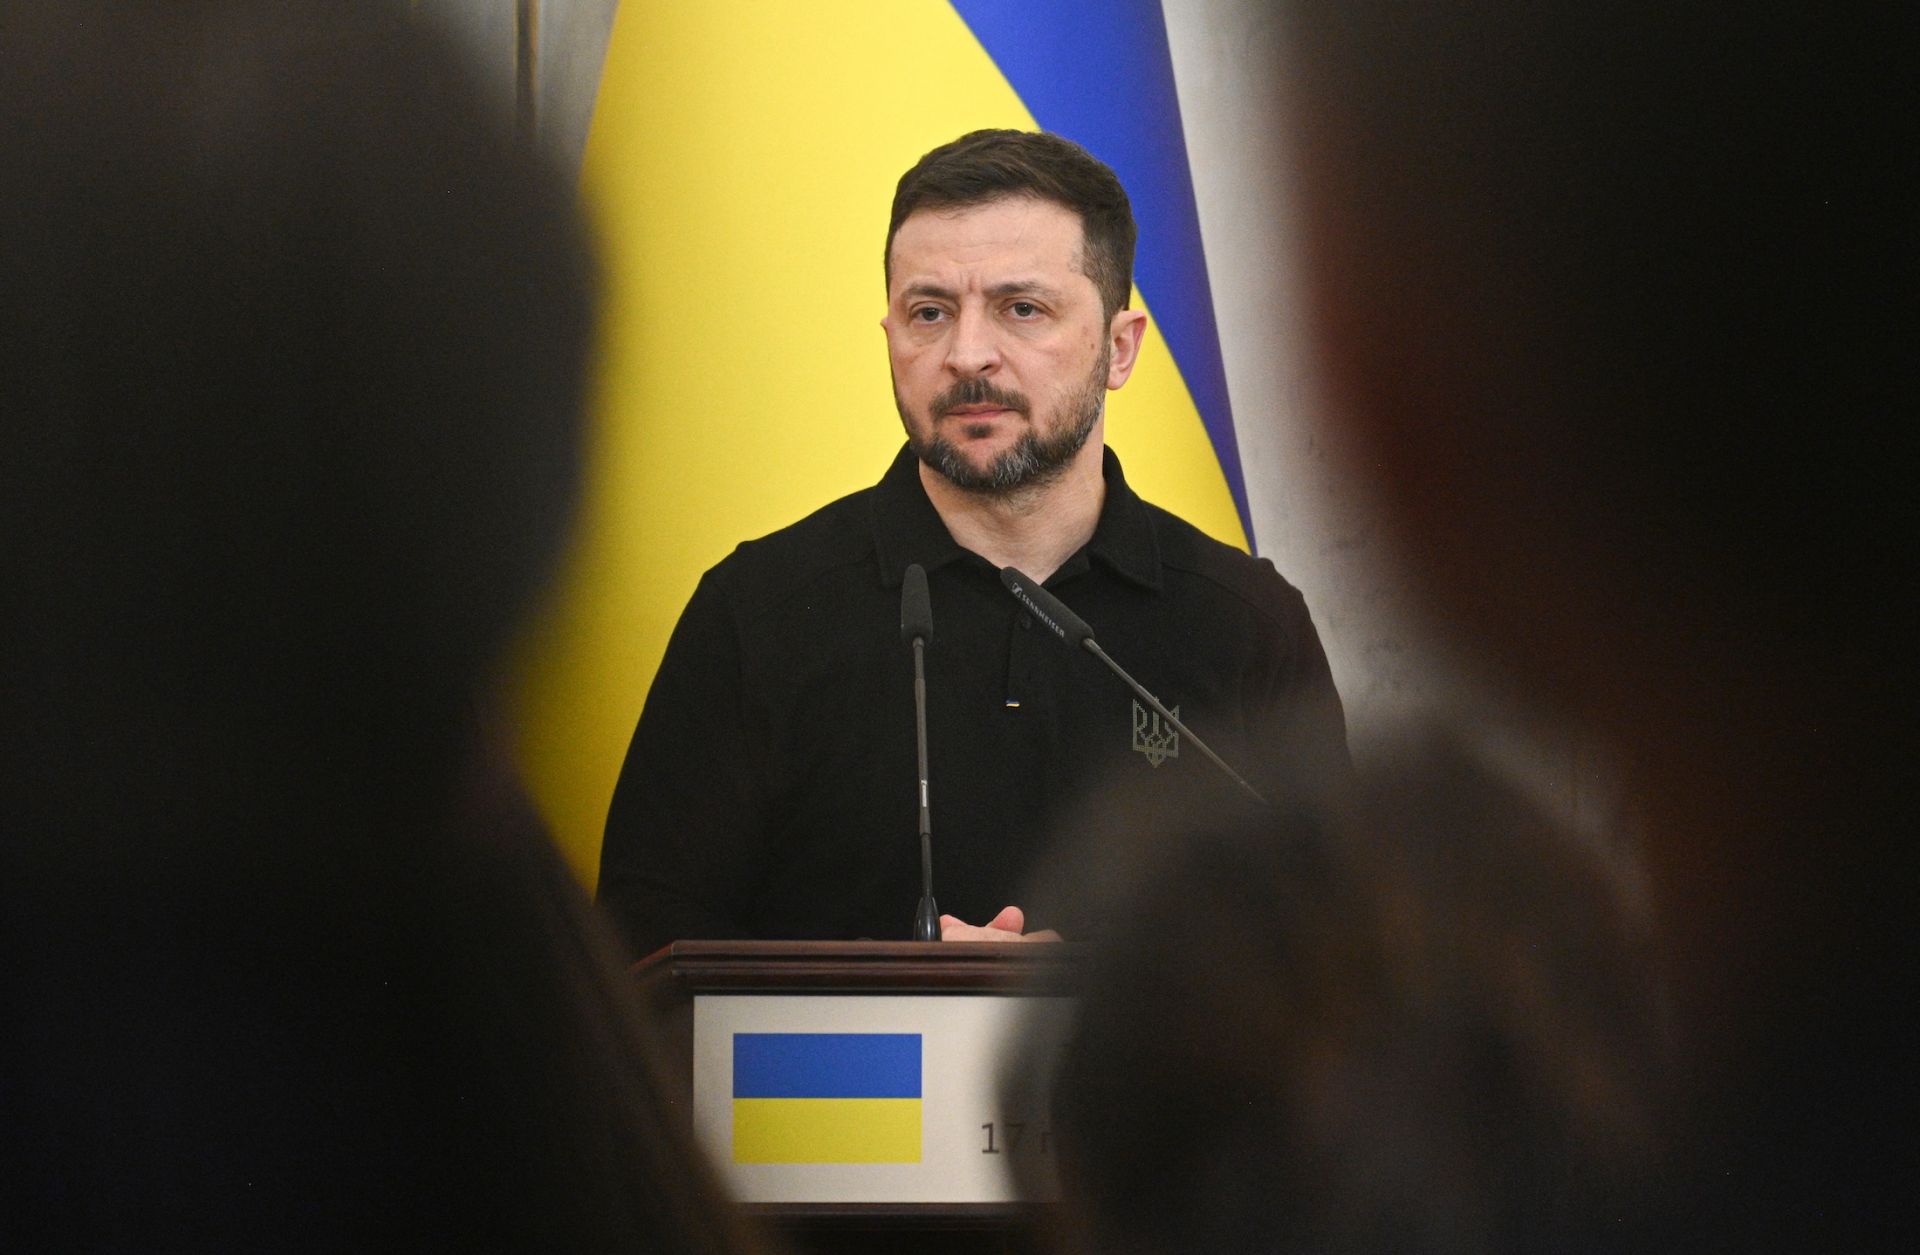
(1047,608)
(916,606)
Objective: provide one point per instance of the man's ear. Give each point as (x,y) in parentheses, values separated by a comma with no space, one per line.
(1124,335)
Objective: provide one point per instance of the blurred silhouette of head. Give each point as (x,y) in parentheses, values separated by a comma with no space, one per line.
(1421,1019)
(1604,307)
(292,358)
(293,363)
(1585,290)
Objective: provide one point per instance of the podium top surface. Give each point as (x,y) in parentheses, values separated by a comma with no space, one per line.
(696,967)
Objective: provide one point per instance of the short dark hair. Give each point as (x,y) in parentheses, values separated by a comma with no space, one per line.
(982,166)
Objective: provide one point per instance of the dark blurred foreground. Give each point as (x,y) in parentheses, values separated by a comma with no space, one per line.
(1417,1014)
(1606,298)
(292,350)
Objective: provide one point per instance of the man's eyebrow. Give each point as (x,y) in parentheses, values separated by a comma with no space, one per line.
(927,289)
(1023,287)
(998,292)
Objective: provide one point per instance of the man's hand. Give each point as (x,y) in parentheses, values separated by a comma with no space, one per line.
(1006,926)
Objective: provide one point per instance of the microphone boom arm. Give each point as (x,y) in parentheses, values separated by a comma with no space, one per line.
(1093,647)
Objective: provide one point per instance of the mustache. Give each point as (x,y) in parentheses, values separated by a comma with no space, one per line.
(977,391)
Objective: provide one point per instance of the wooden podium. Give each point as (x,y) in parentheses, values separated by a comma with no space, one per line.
(858,1084)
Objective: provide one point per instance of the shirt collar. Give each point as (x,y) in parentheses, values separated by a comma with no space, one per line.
(907,529)
(1124,539)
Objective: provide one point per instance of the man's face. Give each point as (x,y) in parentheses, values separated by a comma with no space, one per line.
(1001,358)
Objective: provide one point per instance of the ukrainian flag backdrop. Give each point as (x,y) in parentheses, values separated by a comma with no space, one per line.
(826,1098)
(740,165)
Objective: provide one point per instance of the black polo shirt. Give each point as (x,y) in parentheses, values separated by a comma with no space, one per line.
(771,786)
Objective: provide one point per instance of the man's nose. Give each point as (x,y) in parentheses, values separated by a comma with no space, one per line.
(972,348)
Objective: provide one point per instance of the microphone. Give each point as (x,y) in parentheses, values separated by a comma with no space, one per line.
(916,628)
(1073,629)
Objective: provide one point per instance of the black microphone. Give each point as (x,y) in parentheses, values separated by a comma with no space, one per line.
(916,628)
(1073,629)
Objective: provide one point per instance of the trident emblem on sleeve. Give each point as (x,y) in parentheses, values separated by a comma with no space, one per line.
(1158,743)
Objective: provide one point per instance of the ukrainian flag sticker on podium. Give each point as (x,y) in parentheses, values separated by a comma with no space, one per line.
(801,1098)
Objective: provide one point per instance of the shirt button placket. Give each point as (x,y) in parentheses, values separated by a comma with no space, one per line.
(1019,659)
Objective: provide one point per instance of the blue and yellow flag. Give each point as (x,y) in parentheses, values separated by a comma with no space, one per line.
(826,1098)
(740,166)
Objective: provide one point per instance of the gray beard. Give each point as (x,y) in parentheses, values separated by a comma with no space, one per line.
(1033,461)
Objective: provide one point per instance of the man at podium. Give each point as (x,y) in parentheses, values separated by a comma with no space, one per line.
(770,789)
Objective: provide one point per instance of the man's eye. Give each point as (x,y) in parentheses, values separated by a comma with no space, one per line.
(926,313)
(1024,309)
